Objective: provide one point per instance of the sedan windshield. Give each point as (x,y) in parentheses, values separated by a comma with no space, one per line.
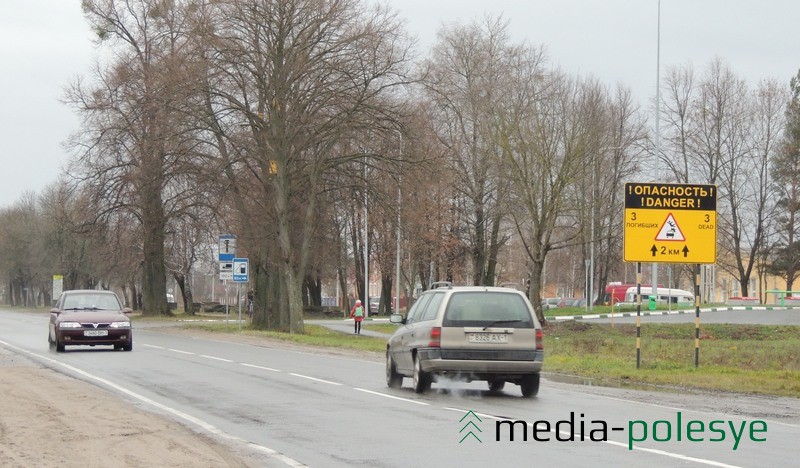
(91,302)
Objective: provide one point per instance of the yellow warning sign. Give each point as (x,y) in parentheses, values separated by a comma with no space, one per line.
(670,223)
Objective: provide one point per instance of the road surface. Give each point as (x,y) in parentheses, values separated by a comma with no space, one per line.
(298,406)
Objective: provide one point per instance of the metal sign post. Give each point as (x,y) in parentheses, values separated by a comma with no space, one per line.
(226,254)
(241,274)
(697,315)
(638,314)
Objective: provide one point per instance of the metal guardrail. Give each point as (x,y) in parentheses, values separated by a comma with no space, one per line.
(781,294)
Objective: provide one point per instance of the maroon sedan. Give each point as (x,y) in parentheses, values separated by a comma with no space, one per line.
(89,317)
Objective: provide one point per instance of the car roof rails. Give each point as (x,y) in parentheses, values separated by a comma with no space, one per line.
(438,284)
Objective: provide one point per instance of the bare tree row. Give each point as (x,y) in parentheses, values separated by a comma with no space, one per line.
(308,129)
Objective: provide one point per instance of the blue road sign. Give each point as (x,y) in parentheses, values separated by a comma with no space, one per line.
(241,270)
(227,248)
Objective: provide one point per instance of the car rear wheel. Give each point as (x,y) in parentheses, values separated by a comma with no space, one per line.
(393,379)
(422,380)
(496,385)
(530,385)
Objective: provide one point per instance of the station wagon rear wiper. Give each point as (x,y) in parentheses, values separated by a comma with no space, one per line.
(501,321)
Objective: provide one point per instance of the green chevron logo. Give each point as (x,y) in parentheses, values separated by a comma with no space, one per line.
(470,426)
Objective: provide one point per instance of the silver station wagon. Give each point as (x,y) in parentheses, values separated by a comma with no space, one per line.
(467,333)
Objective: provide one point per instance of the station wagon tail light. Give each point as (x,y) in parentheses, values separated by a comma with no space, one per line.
(436,337)
(539,339)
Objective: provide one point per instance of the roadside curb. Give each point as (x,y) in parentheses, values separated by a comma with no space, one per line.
(660,313)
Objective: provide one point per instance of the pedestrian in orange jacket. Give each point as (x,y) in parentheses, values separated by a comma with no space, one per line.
(357,314)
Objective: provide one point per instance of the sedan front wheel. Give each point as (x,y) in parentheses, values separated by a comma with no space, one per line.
(60,348)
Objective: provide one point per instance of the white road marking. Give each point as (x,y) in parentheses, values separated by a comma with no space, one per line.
(260,367)
(671,455)
(179,351)
(215,358)
(391,396)
(315,379)
(152,346)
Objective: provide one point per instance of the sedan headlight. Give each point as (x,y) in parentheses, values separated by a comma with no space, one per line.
(69,325)
(120,324)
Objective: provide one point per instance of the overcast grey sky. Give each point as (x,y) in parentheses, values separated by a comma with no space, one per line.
(44,44)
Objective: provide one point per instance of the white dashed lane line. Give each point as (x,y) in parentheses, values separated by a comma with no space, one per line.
(214,358)
(315,379)
(260,367)
(391,396)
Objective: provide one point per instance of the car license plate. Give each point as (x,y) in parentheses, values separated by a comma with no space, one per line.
(488,338)
(95,333)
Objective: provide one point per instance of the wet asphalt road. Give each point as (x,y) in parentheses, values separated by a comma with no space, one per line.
(329,409)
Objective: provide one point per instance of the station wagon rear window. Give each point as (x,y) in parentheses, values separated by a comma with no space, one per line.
(474,309)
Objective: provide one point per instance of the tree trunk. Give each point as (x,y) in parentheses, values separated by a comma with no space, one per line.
(536,269)
(154,286)
(385,305)
(185,285)
(313,288)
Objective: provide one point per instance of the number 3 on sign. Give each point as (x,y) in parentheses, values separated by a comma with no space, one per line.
(633,216)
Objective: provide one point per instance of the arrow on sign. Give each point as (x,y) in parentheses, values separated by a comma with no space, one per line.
(685,251)
(654,250)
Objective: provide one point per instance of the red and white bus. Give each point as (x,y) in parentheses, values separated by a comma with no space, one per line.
(616,291)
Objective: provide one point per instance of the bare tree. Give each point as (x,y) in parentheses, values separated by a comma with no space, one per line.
(678,112)
(544,153)
(719,132)
(289,81)
(785,172)
(623,146)
(134,149)
(746,181)
(466,84)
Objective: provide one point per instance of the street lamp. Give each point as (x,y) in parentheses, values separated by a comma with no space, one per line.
(654,274)
(366,243)
(399,199)
(590,299)
(587,287)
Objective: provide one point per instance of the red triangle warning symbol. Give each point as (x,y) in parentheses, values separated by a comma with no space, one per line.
(670,231)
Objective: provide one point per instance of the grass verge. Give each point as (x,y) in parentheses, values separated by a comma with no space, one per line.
(739,358)
(315,335)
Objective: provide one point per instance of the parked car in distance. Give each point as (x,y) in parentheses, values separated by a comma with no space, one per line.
(576,302)
(467,333)
(374,303)
(90,317)
(552,302)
